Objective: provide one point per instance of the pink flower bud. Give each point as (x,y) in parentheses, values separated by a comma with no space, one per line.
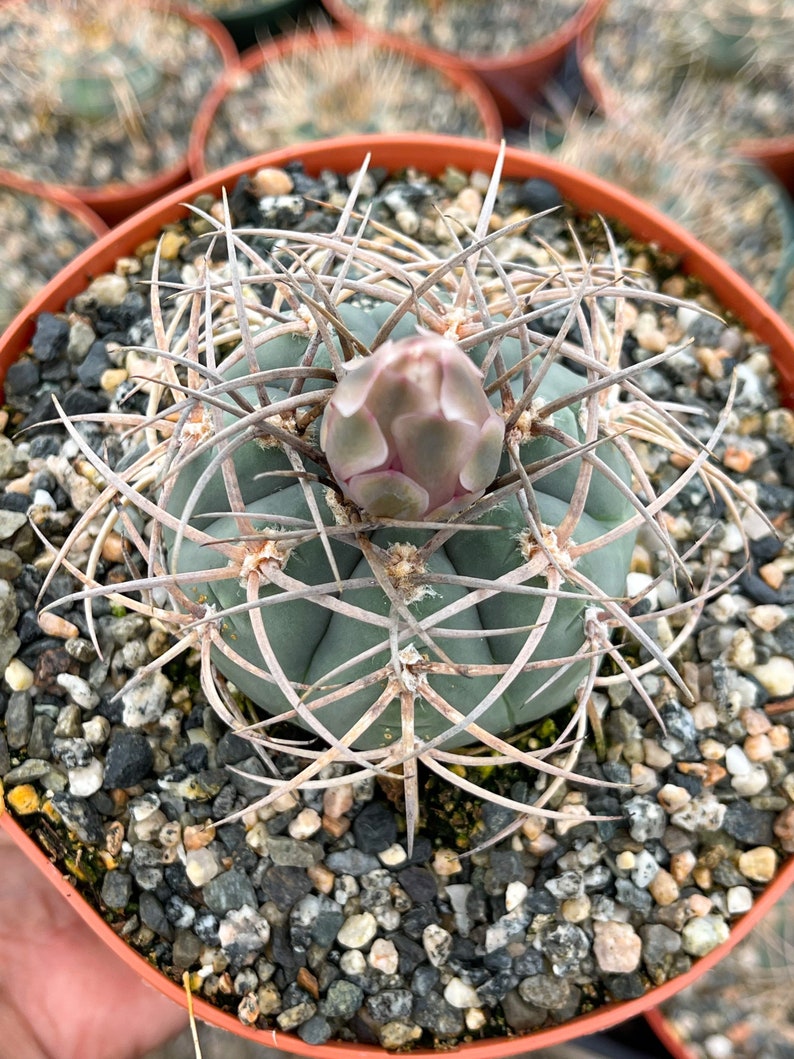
(409,432)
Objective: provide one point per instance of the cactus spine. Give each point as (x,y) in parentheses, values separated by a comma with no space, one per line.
(398,635)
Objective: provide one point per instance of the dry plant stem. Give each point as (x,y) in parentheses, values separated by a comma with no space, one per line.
(212,398)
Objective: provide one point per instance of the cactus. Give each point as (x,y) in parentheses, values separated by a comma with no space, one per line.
(724,37)
(92,61)
(322,83)
(396,633)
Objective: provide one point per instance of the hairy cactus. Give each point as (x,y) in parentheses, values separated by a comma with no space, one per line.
(390,509)
(89,61)
(725,37)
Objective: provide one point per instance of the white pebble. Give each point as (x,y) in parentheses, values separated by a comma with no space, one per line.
(739,899)
(437,943)
(18,676)
(393,856)
(79,691)
(514,894)
(307,823)
(736,761)
(776,675)
(383,956)
(96,730)
(718,1046)
(352,963)
(201,865)
(87,780)
(751,783)
(357,931)
(458,994)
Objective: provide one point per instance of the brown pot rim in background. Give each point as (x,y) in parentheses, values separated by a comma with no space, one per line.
(308,40)
(60,196)
(665,1033)
(431,154)
(514,79)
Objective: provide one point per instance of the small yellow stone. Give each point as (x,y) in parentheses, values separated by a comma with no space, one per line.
(23,799)
(758,864)
(446,862)
(682,865)
(664,888)
(322,877)
(772,574)
(18,676)
(271,181)
(113,548)
(171,243)
(196,836)
(112,378)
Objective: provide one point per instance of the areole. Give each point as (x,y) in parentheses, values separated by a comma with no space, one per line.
(431,154)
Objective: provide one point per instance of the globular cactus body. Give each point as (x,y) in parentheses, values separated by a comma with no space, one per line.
(499,591)
(312,642)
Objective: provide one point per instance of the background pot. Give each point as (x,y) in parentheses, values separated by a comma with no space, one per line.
(667,1035)
(455,81)
(515,80)
(51,198)
(254,20)
(432,154)
(775,154)
(115,201)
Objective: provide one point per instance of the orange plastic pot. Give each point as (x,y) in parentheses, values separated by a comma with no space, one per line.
(516,79)
(113,202)
(59,196)
(458,80)
(431,154)
(667,1035)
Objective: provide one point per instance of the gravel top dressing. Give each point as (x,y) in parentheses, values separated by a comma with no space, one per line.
(311,915)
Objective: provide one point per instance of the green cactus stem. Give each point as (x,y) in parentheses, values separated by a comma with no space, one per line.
(397,634)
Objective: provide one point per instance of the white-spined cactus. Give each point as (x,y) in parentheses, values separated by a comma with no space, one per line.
(385,509)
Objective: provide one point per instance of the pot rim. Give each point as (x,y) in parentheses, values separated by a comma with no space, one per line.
(307,40)
(541,51)
(432,153)
(60,196)
(662,1029)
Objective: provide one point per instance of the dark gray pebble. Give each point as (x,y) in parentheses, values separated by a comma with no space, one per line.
(230,889)
(374,828)
(80,816)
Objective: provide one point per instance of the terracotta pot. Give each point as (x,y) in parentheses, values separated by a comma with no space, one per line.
(515,79)
(255,58)
(57,197)
(60,196)
(432,154)
(667,1035)
(775,154)
(257,19)
(114,202)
